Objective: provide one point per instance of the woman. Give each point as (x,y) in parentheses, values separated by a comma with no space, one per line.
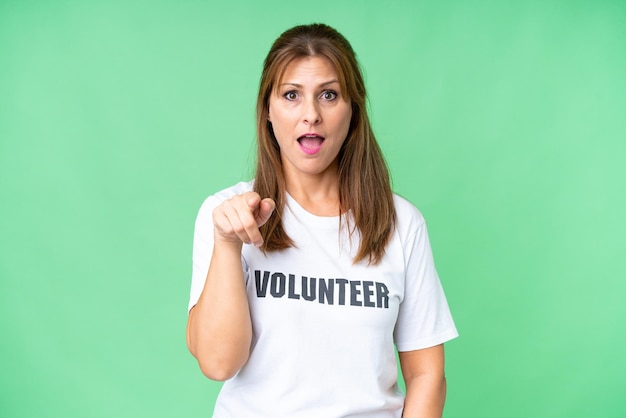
(316,269)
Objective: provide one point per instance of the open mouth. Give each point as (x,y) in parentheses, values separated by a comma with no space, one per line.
(310,143)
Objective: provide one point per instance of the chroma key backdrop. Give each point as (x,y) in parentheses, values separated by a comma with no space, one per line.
(503,122)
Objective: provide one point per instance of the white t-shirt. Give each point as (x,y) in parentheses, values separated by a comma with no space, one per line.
(324,328)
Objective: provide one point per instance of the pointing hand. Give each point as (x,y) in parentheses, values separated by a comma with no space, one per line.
(237,220)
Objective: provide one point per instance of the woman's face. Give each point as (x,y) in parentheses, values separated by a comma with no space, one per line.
(310,118)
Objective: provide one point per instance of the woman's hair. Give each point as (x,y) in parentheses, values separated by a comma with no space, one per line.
(364,185)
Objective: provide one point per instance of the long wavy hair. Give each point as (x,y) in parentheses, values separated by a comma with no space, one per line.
(364,184)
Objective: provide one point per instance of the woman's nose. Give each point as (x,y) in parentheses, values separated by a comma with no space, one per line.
(310,112)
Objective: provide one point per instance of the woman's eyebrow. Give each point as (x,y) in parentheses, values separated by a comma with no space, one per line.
(321,85)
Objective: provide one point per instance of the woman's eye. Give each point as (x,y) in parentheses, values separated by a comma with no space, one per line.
(329,95)
(291,95)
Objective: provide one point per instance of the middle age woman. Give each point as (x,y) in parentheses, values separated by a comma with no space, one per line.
(305,278)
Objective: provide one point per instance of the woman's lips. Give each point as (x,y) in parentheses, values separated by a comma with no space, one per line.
(310,144)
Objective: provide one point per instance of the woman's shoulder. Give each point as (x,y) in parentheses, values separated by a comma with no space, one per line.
(408,215)
(239,188)
(216,198)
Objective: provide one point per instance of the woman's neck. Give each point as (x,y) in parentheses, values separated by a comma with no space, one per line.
(318,195)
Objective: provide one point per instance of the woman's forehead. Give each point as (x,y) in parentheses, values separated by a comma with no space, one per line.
(288,67)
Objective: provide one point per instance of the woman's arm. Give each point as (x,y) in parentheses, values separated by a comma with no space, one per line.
(219,328)
(423,372)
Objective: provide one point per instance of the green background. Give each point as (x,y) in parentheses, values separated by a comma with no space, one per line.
(504,122)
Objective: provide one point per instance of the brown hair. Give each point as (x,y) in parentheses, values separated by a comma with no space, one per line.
(364,185)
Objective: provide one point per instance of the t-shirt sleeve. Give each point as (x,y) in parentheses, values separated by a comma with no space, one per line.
(203,239)
(424,318)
